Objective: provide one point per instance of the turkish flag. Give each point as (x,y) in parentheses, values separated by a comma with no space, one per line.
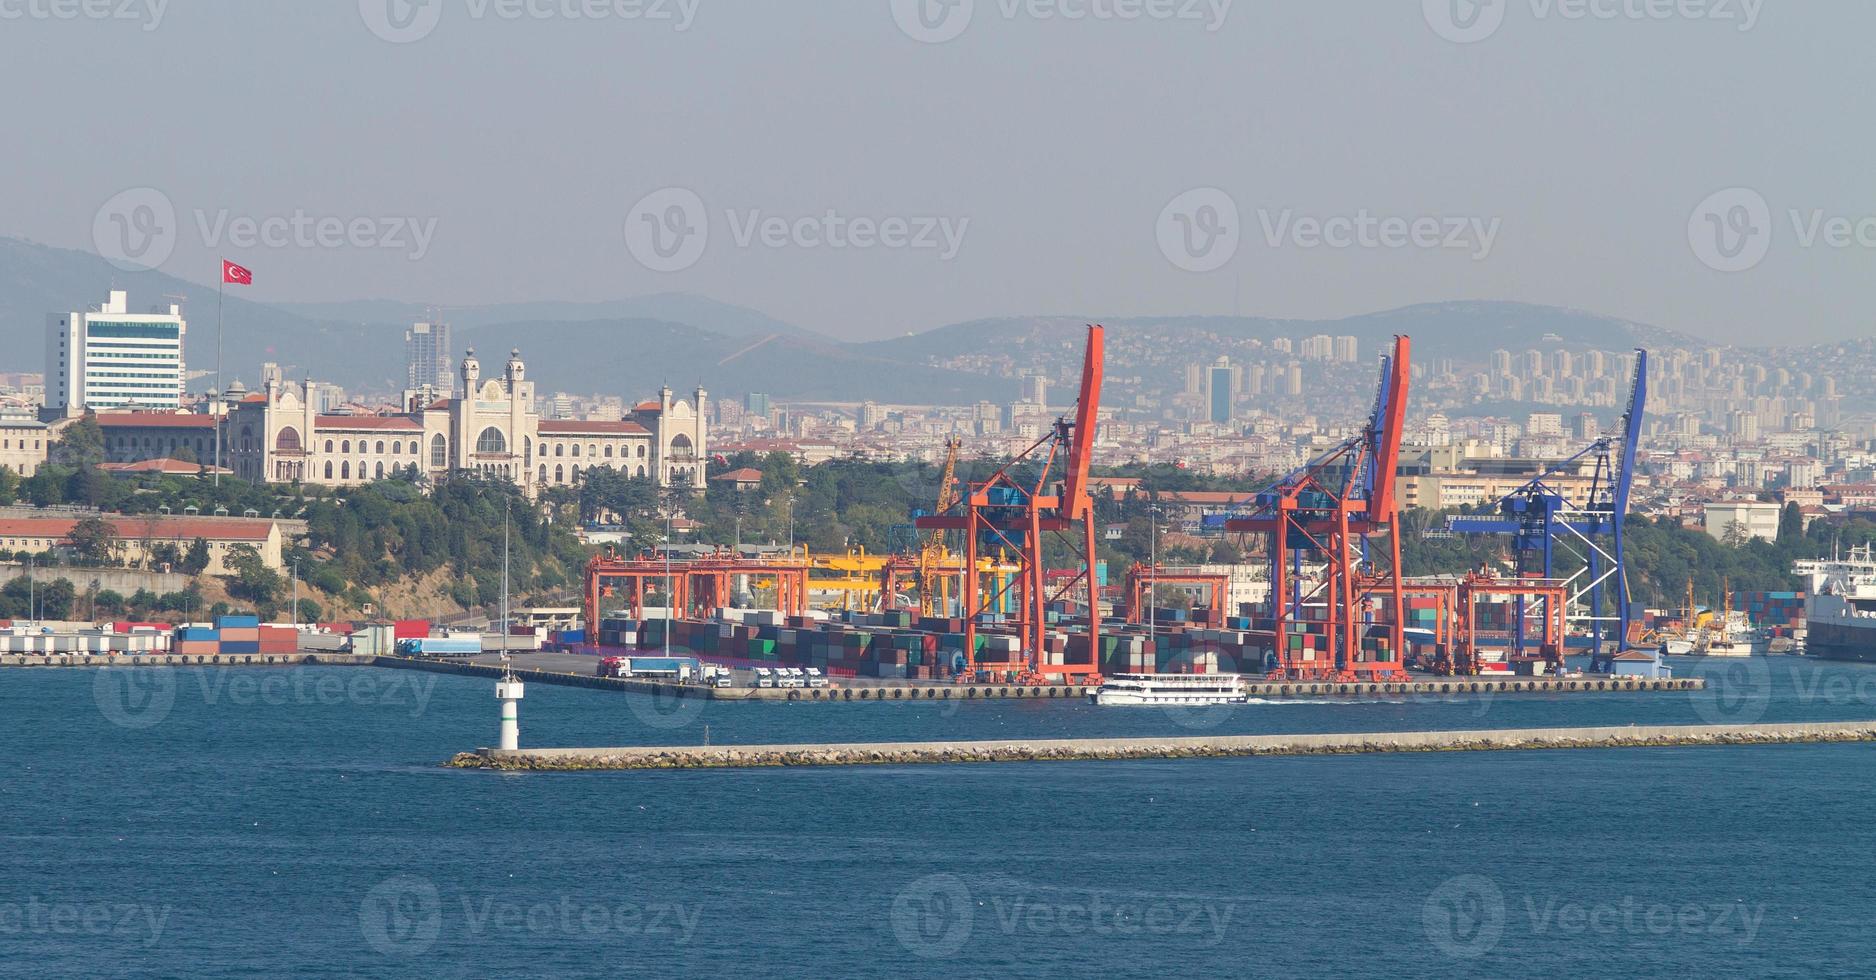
(236,275)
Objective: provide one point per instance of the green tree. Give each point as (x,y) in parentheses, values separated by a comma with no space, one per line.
(80,444)
(108,602)
(195,561)
(93,539)
(251,578)
(56,599)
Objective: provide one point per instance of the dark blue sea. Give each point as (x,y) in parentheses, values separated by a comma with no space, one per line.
(297,823)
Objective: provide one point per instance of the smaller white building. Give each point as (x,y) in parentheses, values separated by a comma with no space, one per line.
(1757,518)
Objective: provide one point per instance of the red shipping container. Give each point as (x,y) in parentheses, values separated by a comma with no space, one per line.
(410,629)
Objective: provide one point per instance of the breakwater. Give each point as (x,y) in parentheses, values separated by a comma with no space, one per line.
(1198,747)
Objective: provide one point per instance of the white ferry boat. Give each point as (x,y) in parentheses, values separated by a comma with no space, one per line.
(1170,689)
(1840,605)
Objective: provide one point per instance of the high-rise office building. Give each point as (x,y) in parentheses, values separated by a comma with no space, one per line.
(427,358)
(1219,392)
(111,359)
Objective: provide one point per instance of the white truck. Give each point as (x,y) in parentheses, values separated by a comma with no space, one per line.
(764,678)
(815,677)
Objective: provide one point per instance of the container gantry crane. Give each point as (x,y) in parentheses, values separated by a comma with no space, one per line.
(1325,512)
(1542,520)
(1015,507)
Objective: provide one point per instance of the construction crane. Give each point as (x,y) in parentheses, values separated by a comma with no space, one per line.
(930,594)
(1542,520)
(1325,512)
(1014,508)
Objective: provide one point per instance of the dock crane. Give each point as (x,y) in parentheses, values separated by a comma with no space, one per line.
(1541,520)
(1014,508)
(933,552)
(1326,511)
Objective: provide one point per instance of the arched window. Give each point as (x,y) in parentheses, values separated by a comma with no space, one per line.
(380,470)
(288,441)
(641,454)
(380,447)
(328,469)
(609,450)
(328,449)
(560,475)
(681,447)
(527,451)
(560,449)
(576,450)
(491,441)
(543,472)
(641,472)
(345,471)
(576,472)
(439,451)
(592,450)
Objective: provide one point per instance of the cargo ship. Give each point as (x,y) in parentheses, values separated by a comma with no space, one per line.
(1840,605)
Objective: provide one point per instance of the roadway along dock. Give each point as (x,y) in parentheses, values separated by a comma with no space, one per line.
(1109,749)
(867,689)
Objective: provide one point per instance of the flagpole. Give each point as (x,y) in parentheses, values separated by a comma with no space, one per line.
(221,280)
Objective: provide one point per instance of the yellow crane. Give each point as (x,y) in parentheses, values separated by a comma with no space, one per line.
(930,589)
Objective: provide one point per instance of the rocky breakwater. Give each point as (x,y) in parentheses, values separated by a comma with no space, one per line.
(1110,749)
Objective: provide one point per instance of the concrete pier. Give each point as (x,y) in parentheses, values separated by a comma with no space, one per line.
(301,659)
(1050,750)
(871,690)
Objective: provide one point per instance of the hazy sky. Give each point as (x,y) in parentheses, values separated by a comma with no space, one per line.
(1035,162)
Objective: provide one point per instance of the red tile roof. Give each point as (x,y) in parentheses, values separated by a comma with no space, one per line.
(153,420)
(158,526)
(581,427)
(747,474)
(175,466)
(375,422)
(648,407)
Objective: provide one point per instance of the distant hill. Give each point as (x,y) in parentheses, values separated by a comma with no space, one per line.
(1456,329)
(631,346)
